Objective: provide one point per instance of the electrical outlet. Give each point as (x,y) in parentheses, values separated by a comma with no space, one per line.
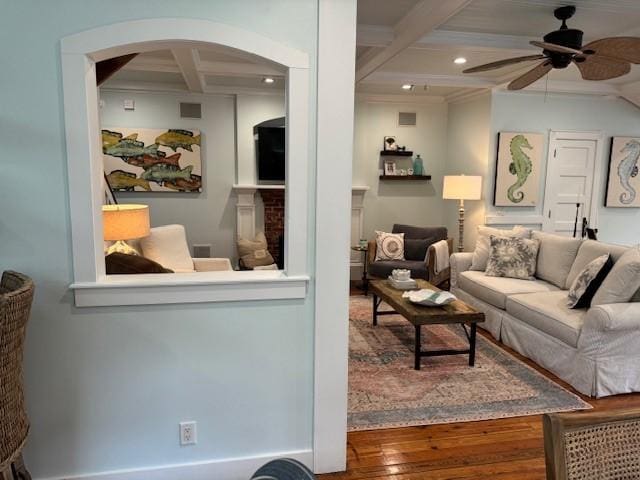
(188,433)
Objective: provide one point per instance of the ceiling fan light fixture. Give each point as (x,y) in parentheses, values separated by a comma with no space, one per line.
(268,80)
(460,60)
(408,86)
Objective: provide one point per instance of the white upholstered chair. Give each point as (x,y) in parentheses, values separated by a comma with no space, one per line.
(168,246)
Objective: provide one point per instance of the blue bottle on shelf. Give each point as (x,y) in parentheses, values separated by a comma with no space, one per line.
(418,166)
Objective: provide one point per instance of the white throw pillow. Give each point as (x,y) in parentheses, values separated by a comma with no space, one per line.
(167,245)
(483,244)
(588,281)
(622,282)
(556,256)
(389,246)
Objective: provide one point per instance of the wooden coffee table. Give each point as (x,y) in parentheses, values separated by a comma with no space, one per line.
(418,315)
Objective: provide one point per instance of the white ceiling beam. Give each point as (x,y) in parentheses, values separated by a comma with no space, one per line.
(423,18)
(187,60)
(464,95)
(399,78)
(399,99)
(382,36)
(580,87)
(237,69)
(150,64)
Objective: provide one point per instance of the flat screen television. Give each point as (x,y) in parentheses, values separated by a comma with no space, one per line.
(270,146)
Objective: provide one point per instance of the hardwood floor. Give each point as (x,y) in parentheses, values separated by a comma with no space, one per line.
(505,449)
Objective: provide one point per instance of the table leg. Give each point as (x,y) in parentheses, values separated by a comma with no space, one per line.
(472,345)
(375,310)
(417,348)
(365,280)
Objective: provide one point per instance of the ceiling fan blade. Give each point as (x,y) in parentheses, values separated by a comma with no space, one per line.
(598,67)
(531,76)
(503,63)
(623,48)
(552,47)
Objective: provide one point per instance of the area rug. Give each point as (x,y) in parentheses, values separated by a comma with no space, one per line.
(386,392)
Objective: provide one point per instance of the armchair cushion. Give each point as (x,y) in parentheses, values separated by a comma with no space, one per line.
(435,233)
(212,264)
(167,245)
(416,248)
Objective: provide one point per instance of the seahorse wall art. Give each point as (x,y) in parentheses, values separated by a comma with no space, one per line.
(623,184)
(628,169)
(518,169)
(520,166)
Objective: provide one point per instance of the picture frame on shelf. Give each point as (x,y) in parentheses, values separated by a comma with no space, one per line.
(390,169)
(389,143)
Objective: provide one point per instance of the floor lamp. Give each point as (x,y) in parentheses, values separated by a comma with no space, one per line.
(462,187)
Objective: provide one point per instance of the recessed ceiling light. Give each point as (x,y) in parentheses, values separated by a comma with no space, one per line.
(268,80)
(460,61)
(407,86)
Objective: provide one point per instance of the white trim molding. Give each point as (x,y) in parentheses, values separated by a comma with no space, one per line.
(80,52)
(156,289)
(240,468)
(336,80)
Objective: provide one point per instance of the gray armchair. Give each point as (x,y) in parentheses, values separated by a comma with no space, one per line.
(419,254)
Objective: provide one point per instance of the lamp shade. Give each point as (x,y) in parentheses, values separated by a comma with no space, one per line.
(125,222)
(462,187)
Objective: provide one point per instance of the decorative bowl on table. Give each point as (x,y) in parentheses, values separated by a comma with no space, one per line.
(429,298)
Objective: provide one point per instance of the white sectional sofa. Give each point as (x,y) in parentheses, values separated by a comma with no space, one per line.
(596,350)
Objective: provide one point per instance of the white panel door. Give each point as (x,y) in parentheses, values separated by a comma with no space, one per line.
(569,185)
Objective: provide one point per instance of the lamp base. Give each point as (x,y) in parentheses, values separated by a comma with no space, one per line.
(461,226)
(121,247)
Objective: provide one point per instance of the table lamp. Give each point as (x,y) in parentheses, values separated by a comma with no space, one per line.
(462,187)
(124,222)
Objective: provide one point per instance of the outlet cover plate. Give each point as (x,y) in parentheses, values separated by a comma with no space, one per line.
(188,433)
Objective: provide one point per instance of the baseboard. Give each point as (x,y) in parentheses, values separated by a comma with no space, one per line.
(225,469)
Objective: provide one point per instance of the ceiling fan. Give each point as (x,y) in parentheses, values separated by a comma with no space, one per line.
(598,60)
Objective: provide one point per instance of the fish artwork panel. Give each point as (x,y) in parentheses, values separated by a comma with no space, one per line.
(623,184)
(517,181)
(152,160)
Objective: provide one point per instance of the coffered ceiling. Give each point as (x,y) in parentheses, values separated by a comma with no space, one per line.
(413,42)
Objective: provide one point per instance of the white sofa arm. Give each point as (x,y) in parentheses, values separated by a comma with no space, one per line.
(613,317)
(460,262)
(211,264)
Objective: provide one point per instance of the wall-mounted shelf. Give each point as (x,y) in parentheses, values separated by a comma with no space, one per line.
(405,178)
(396,153)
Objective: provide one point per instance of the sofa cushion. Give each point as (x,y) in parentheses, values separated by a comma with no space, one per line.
(549,313)
(590,250)
(383,268)
(123,264)
(436,233)
(495,290)
(483,244)
(555,257)
(167,245)
(623,280)
(416,248)
(389,246)
(512,257)
(586,284)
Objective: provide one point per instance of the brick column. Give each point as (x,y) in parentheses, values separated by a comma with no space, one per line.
(273,219)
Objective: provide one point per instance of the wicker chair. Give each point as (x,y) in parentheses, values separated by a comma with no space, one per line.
(592,445)
(16,295)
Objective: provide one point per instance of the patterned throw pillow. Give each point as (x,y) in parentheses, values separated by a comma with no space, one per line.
(588,281)
(389,246)
(512,257)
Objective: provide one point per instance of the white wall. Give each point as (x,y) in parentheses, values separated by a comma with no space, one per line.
(106,387)
(535,112)
(209,217)
(386,203)
(468,135)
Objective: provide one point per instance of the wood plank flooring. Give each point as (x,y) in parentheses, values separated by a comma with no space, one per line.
(505,449)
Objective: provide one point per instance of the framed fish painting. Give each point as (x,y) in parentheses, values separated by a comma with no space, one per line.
(517,182)
(623,184)
(152,160)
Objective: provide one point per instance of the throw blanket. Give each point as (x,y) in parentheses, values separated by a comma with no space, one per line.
(442,256)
